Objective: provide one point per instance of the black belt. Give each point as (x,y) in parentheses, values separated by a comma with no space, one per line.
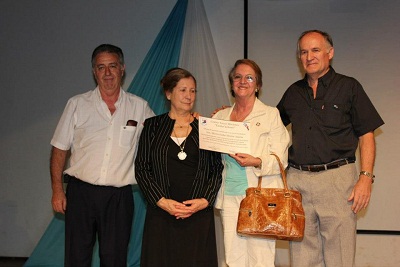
(323,167)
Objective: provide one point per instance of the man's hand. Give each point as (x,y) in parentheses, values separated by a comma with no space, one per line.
(57,162)
(59,201)
(361,194)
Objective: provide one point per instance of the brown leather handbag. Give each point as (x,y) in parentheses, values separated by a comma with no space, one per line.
(274,213)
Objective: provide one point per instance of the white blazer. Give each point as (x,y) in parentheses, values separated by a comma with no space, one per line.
(267,135)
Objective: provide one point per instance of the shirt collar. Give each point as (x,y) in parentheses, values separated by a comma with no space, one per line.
(120,96)
(324,80)
(327,78)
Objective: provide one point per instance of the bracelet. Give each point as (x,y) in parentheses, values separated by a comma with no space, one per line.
(370,175)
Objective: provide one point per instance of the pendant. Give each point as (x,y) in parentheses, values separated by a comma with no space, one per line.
(182,155)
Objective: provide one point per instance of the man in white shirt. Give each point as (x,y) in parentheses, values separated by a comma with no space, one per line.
(101,129)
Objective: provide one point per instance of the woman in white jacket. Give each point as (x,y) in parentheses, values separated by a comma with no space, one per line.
(267,135)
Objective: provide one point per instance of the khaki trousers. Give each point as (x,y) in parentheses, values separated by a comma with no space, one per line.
(330,232)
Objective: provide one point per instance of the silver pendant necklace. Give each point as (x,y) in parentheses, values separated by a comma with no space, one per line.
(182,154)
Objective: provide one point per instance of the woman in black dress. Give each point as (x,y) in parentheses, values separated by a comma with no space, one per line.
(179,181)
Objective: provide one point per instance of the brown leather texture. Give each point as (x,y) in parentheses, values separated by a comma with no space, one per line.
(274,213)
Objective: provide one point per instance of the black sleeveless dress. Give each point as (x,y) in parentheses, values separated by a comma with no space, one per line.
(171,242)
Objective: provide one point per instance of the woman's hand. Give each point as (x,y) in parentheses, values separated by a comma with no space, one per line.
(192,206)
(171,206)
(218,109)
(195,114)
(246,160)
(182,210)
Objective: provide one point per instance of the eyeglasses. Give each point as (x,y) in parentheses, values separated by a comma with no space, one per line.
(249,78)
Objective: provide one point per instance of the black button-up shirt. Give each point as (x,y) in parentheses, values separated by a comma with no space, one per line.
(327,128)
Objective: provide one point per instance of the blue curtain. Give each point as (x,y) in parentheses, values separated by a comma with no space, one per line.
(163,55)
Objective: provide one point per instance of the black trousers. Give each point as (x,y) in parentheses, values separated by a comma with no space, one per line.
(93,210)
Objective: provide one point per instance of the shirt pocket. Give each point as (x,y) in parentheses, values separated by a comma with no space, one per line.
(334,116)
(126,136)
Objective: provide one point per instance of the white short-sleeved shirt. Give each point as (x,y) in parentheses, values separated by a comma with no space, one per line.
(102,146)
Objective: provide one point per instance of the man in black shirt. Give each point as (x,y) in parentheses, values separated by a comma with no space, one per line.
(331,116)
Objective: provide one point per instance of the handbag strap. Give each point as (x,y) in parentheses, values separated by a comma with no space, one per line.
(283,174)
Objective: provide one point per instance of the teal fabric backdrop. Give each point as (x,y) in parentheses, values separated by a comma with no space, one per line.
(163,55)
